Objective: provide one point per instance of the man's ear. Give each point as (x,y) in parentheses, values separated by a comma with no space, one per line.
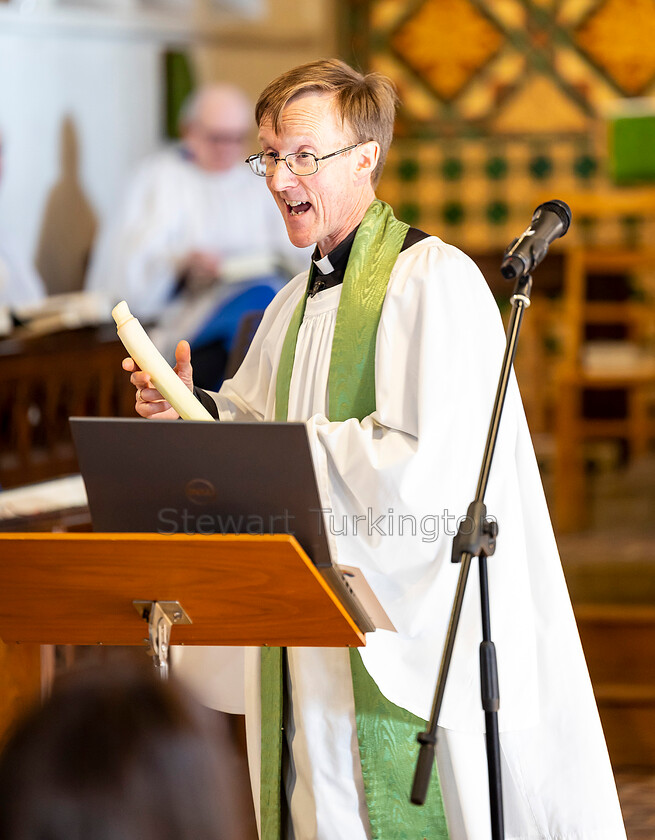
(368,155)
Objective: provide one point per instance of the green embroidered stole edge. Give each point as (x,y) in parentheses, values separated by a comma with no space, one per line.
(386,767)
(351,380)
(272,733)
(388,751)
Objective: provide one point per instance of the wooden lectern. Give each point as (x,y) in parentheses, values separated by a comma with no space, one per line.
(85,589)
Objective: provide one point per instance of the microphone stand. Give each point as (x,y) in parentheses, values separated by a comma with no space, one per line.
(477,539)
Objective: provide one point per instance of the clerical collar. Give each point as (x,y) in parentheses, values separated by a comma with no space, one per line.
(328,271)
(324,265)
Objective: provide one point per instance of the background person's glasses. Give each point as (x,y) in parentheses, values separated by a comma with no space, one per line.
(300,163)
(222,138)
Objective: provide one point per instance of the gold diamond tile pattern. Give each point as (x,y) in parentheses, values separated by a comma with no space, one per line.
(447,42)
(512,92)
(619,37)
(538,107)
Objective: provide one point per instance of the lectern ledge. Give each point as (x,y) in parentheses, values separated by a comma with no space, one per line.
(84,589)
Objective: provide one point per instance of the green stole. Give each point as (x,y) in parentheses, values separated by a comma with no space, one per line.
(386,732)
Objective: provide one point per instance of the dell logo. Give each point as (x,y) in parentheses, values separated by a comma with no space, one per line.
(199,491)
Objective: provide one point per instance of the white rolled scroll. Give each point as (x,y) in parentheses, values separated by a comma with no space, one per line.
(149,359)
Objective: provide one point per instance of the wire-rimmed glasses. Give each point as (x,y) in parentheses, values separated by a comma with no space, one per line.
(300,163)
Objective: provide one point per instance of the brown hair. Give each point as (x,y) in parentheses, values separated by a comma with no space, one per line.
(114,754)
(367,104)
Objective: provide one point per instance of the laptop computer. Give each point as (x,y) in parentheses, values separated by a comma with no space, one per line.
(172,477)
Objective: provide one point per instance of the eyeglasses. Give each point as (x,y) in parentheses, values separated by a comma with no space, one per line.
(222,138)
(300,163)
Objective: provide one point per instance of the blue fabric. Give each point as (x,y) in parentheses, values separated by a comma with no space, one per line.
(223,323)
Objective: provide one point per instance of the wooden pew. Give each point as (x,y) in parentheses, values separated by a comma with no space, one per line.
(45,380)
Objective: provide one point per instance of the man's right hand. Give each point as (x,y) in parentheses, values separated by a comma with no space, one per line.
(149,402)
(200,270)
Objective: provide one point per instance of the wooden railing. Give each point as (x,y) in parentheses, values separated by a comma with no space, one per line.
(44,381)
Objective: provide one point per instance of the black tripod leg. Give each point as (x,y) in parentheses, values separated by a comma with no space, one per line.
(428,739)
(490,704)
(463,551)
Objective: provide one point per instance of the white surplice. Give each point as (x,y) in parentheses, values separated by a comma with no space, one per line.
(171,208)
(20,283)
(393,487)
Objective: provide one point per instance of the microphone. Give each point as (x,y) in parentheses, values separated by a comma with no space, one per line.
(549,221)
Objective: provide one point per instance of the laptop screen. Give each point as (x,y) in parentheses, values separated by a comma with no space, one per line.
(173,477)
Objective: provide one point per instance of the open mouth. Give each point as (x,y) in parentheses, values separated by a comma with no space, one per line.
(297,208)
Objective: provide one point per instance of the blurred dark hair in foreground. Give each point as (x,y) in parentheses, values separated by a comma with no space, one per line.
(113,754)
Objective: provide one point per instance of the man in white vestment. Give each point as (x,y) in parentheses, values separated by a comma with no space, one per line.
(194,229)
(397,441)
(20,283)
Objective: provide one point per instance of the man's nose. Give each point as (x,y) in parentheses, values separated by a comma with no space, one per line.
(283,177)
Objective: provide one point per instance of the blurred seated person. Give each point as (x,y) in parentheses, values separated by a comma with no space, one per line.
(114,754)
(192,217)
(19,282)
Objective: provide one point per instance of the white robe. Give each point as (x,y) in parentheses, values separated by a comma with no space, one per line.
(19,282)
(439,349)
(171,208)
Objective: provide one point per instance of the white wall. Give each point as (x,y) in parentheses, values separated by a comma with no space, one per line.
(107,84)
(101,68)
(287,33)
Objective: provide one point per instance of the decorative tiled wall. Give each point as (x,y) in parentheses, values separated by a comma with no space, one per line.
(503,106)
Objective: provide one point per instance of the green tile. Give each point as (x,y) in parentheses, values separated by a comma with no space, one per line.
(496,167)
(453,212)
(452,169)
(408,169)
(585,166)
(409,212)
(497,212)
(631,143)
(541,166)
